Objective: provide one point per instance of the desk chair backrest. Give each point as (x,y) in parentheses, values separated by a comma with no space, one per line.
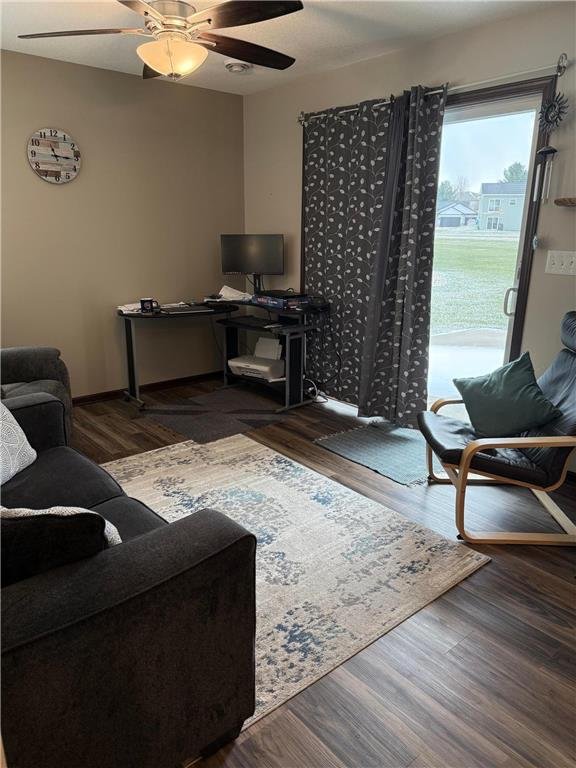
(558,383)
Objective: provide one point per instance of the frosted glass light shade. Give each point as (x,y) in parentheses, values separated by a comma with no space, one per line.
(172,57)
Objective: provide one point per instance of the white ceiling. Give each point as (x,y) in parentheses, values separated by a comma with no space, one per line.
(325,35)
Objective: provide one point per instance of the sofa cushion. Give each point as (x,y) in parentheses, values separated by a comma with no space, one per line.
(34,541)
(448,437)
(16,452)
(60,477)
(129,516)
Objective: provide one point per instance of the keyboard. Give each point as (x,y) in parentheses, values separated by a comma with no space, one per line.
(185,310)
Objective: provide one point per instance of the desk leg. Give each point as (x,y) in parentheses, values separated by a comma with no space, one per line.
(294,389)
(133,391)
(230,350)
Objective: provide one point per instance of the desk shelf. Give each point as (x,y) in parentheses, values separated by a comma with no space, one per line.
(293,335)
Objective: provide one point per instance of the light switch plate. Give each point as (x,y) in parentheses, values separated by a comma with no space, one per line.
(561,263)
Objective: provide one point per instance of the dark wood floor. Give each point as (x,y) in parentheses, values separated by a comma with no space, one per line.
(483,677)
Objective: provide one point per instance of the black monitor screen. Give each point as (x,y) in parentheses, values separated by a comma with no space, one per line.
(252,254)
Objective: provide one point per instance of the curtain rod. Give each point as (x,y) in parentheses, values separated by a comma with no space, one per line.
(559,68)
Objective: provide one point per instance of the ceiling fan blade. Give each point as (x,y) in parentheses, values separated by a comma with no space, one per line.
(148,72)
(76,32)
(237,12)
(144,9)
(240,49)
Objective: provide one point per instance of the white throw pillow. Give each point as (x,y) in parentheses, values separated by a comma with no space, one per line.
(16,452)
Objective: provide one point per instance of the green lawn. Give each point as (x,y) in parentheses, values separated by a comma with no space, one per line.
(471,275)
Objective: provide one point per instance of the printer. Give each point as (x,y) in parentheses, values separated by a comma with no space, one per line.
(265,364)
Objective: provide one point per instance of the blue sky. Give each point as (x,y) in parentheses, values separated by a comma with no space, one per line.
(481,149)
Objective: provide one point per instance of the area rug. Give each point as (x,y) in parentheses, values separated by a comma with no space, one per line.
(335,570)
(218,414)
(395,452)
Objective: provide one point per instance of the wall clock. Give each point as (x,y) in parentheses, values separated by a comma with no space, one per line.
(54,155)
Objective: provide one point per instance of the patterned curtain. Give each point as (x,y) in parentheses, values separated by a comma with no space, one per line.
(369,197)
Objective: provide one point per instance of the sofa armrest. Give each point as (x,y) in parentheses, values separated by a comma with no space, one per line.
(142,655)
(32,364)
(42,417)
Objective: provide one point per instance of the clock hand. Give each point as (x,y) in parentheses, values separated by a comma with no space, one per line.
(54,153)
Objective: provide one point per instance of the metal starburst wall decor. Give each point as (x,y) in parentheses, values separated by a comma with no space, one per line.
(553,112)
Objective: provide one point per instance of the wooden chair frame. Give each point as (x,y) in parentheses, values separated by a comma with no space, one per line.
(458,475)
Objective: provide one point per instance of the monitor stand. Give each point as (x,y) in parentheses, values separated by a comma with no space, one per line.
(260,291)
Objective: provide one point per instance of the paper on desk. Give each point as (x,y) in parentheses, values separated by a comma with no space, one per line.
(231,294)
(128,308)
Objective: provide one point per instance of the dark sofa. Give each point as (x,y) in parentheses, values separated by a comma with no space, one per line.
(142,655)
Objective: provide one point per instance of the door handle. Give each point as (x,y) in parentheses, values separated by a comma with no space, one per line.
(509,292)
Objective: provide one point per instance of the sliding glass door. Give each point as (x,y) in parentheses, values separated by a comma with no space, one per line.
(484,218)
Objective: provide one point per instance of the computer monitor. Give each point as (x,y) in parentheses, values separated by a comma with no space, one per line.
(252,255)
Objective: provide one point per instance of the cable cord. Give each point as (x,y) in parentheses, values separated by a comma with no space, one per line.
(317,397)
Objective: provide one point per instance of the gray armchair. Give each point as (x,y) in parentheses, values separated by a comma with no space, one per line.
(36,370)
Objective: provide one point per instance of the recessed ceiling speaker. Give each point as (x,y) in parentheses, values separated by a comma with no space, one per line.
(237,67)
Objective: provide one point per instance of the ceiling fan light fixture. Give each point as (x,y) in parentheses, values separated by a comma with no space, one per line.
(172,57)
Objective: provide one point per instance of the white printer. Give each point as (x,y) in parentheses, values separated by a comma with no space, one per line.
(264,364)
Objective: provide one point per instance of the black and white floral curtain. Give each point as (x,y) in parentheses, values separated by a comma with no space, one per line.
(369,196)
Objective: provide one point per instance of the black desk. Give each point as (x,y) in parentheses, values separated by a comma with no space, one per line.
(293,335)
(130,318)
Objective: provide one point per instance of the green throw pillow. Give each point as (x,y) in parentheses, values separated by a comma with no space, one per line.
(507,401)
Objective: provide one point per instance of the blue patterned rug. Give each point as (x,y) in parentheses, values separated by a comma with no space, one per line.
(395,452)
(335,570)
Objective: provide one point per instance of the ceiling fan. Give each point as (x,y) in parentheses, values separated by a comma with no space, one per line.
(182,36)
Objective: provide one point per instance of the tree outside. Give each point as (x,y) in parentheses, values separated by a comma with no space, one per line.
(446,191)
(515,172)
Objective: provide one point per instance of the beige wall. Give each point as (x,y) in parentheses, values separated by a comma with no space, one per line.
(272,161)
(161,178)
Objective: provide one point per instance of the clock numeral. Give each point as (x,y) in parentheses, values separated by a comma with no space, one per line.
(64,137)
(74,168)
(35,142)
(32,153)
(72,145)
(42,134)
(67,177)
(36,165)
(53,132)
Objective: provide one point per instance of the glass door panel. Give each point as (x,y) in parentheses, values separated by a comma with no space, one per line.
(485,169)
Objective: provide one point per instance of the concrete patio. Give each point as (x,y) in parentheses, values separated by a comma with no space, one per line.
(459,354)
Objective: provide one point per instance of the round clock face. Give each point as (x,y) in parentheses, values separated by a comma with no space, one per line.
(54,155)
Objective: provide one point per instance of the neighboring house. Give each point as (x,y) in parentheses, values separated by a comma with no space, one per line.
(471,199)
(501,206)
(454,214)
